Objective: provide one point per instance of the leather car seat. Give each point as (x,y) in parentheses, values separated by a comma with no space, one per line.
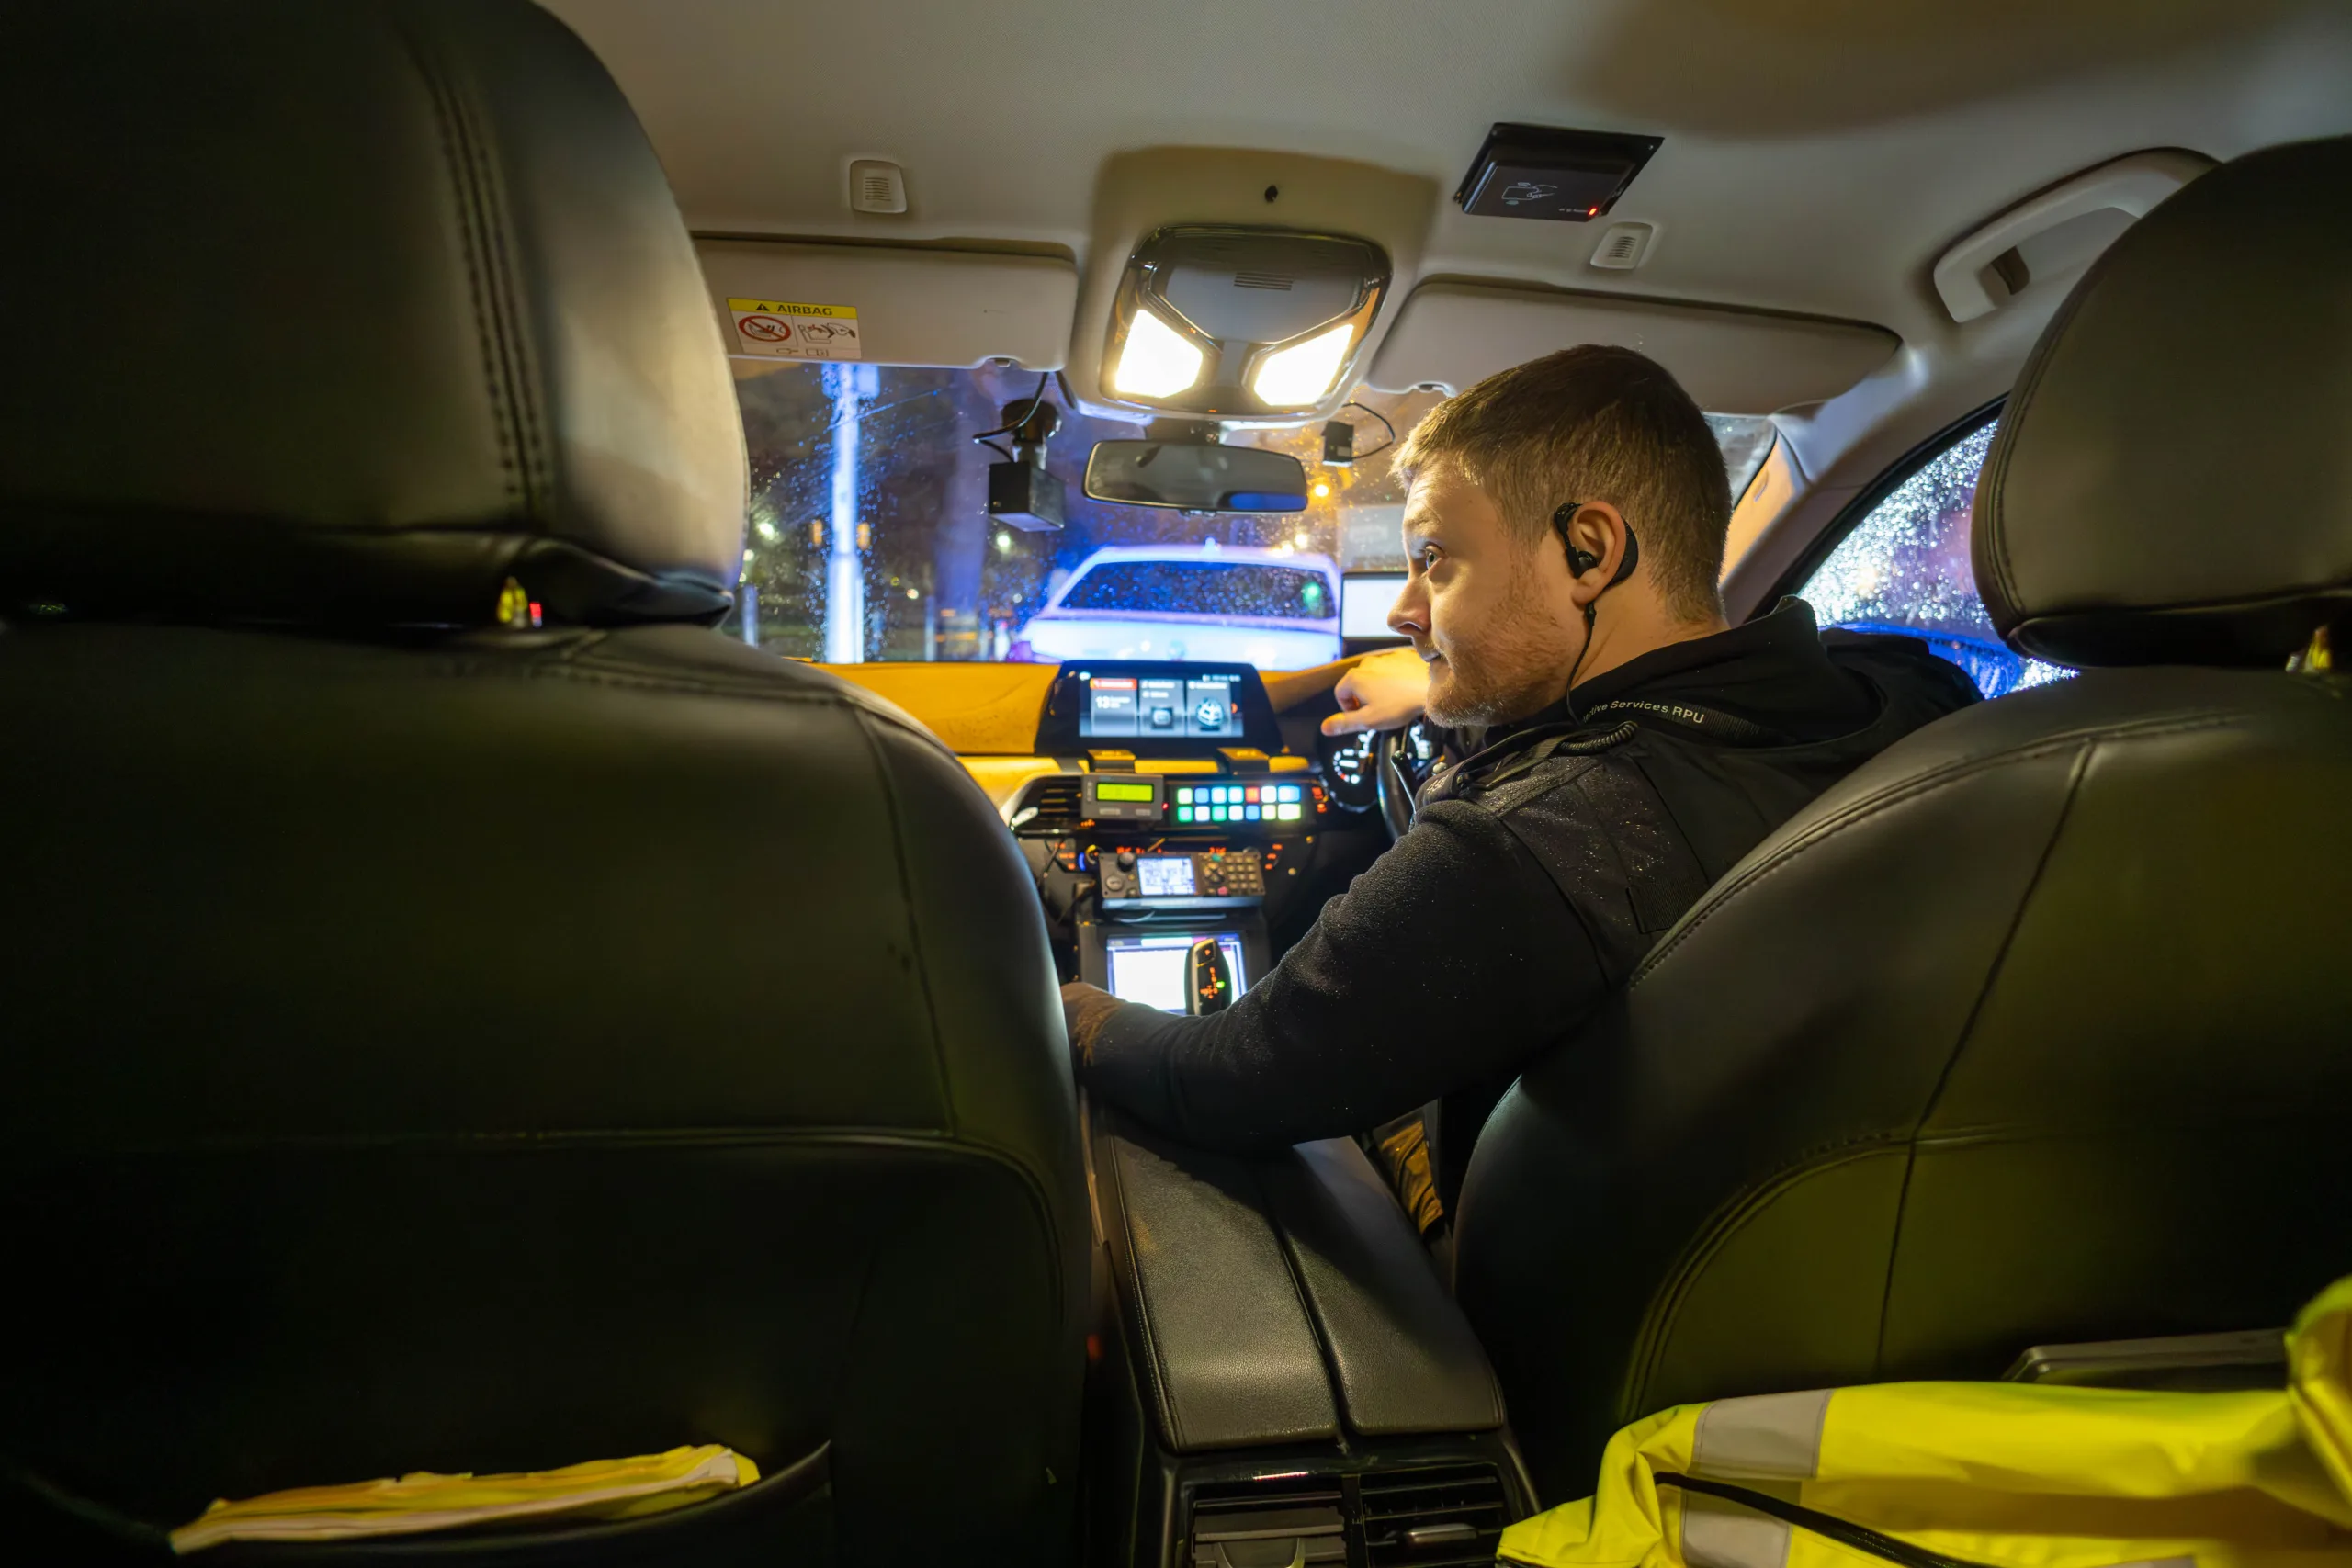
(2032,1031)
(436,1041)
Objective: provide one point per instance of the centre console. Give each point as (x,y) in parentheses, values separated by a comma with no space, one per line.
(1282,1378)
(1278,1374)
(1180,813)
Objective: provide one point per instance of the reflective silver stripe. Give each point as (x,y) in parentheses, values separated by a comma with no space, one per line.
(1718,1533)
(1766,1437)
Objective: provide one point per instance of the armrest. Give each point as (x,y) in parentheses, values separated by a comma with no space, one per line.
(1222,1339)
(1270,1299)
(1405,1358)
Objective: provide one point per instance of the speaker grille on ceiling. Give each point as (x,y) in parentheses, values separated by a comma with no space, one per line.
(876,187)
(1623,247)
(1261,280)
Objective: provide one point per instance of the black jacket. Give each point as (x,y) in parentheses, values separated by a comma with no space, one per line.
(1537,872)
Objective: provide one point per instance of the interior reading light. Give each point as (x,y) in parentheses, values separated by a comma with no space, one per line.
(1298,376)
(1158,360)
(1222,324)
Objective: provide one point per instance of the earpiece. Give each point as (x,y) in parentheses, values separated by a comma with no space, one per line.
(1583,561)
(1579,562)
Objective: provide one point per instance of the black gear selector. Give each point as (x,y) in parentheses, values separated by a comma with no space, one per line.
(1209,977)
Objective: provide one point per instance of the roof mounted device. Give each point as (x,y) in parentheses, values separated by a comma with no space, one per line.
(1541,171)
(1021,492)
(1239,324)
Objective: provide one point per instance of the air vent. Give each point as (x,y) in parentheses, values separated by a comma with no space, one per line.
(1451,1518)
(876,187)
(1056,798)
(1262,280)
(1625,247)
(1255,1525)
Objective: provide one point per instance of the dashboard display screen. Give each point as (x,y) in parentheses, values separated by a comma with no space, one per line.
(1164,876)
(1109,790)
(1364,599)
(1154,970)
(1170,707)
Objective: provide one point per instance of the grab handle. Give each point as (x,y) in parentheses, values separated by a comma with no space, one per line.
(1971,278)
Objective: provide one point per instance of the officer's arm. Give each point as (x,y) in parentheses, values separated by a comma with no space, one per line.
(1449,963)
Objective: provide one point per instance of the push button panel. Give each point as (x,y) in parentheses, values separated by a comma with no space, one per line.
(1223,805)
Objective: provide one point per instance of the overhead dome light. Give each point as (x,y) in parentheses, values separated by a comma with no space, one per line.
(1158,360)
(1228,323)
(1298,376)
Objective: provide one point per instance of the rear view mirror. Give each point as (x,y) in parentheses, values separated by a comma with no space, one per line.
(1196,476)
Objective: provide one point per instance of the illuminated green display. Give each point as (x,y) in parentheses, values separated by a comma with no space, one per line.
(1142,792)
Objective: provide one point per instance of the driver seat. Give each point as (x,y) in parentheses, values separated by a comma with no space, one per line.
(2033,1030)
(463,1013)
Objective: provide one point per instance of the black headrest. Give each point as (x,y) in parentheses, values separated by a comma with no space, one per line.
(2172,482)
(346,313)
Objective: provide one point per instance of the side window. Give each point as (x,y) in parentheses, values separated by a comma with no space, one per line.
(1905,568)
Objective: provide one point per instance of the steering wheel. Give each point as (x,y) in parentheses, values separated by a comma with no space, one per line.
(1401,760)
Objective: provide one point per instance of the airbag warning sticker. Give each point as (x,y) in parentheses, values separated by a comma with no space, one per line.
(777,329)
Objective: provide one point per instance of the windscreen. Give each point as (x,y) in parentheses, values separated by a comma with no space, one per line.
(1207,587)
(870,536)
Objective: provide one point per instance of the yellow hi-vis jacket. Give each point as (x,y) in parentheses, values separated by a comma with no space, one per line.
(1932,1474)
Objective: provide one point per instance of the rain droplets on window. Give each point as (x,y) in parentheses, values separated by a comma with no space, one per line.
(1906,568)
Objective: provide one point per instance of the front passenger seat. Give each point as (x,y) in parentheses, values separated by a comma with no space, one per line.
(463,1014)
(2033,1030)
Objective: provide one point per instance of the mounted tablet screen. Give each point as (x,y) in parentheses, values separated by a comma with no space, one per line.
(1153,708)
(1164,707)
(1151,967)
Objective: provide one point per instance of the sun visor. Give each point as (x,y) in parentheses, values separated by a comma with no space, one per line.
(778,302)
(1452,334)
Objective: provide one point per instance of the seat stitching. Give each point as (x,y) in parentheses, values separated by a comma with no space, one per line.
(495,215)
(1902,794)
(1967,1031)
(1722,1222)
(906,907)
(448,123)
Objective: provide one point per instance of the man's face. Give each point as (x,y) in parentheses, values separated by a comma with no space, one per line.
(1493,616)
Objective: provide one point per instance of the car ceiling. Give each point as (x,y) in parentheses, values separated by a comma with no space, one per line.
(1818,154)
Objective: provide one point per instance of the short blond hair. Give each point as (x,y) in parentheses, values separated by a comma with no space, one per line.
(1593,424)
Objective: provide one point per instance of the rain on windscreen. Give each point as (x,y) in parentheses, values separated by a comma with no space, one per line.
(870,538)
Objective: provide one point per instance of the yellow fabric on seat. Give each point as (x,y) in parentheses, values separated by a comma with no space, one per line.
(1995,1474)
(599,1489)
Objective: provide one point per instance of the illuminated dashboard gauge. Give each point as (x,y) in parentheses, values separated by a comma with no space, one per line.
(1347,768)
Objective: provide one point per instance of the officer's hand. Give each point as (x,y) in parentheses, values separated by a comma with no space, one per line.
(1385,690)
(1084,1009)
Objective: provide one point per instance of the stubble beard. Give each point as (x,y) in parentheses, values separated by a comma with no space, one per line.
(1504,672)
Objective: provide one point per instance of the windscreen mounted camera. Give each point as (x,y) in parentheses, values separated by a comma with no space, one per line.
(1022,493)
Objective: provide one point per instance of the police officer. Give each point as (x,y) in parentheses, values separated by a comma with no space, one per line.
(1615,747)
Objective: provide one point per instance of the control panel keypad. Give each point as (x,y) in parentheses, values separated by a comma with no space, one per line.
(1230,875)
(1210,804)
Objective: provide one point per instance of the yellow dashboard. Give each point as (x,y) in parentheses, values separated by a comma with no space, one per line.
(988,714)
